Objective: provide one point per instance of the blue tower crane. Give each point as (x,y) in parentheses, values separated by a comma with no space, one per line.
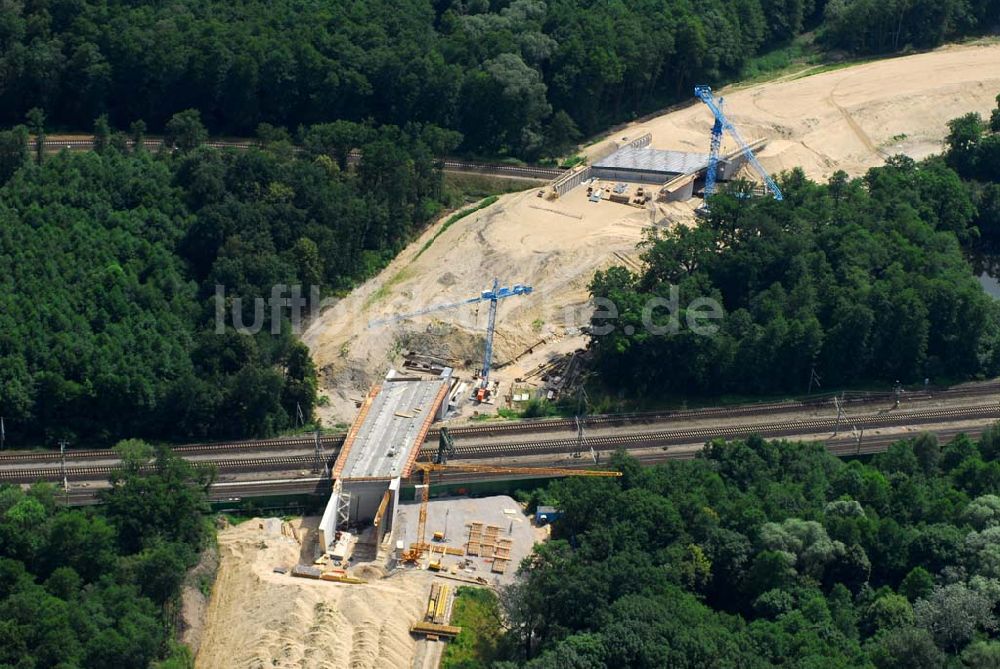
(493,297)
(704,93)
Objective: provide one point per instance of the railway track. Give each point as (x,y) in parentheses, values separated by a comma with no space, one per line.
(286,463)
(235,491)
(226,491)
(447,164)
(287,443)
(699,435)
(500,169)
(332,442)
(555,446)
(763,408)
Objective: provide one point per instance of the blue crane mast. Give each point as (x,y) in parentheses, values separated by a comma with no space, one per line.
(704,93)
(493,297)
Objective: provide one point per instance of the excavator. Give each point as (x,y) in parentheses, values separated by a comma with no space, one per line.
(439,463)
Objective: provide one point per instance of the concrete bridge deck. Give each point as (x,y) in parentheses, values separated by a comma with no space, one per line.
(391,425)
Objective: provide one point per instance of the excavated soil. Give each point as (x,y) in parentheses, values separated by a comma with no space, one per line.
(257,618)
(849,119)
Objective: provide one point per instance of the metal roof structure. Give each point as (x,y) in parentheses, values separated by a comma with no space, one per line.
(386,436)
(653,160)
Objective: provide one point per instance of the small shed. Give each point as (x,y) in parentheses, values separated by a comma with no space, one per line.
(546,514)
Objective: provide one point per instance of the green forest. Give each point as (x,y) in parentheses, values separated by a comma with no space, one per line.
(110,262)
(97,587)
(761,554)
(974,152)
(856,280)
(515,77)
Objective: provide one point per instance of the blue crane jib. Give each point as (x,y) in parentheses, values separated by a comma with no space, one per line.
(704,93)
(492,296)
(500,293)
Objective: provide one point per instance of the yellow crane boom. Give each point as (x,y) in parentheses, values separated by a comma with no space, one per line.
(417,549)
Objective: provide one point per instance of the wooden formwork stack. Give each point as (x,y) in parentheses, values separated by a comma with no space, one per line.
(485,542)
(503,549)
(446,550)
(472,547)
(499,549)
(489,543)
(501,556)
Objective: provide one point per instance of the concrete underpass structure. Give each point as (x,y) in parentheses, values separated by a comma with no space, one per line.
(644,165)
(380,450)
(678,173)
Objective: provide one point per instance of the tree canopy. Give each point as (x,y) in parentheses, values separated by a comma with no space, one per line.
(111,262)
(767,553)
(854,280)
(519,77)
(974,152)
(95,587)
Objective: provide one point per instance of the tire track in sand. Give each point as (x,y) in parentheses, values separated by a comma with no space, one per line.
(856,129)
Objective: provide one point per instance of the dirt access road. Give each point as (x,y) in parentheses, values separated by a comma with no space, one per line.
(849,119)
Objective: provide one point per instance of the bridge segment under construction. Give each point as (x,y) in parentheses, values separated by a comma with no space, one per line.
(380,450)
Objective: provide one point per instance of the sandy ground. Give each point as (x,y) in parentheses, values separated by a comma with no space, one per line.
(257,618)
(194,603)
(848,119)
(553,246)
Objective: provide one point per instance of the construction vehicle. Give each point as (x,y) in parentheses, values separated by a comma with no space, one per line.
(704,93)
(417,550)
(493,297)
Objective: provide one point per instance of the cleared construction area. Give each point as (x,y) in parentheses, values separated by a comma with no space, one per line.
(483,538)
(357,598)
(258,617)
(849,118)
(364,615)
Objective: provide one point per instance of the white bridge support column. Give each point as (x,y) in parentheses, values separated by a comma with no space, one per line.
(356,502)
(331,520)
(386,522)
